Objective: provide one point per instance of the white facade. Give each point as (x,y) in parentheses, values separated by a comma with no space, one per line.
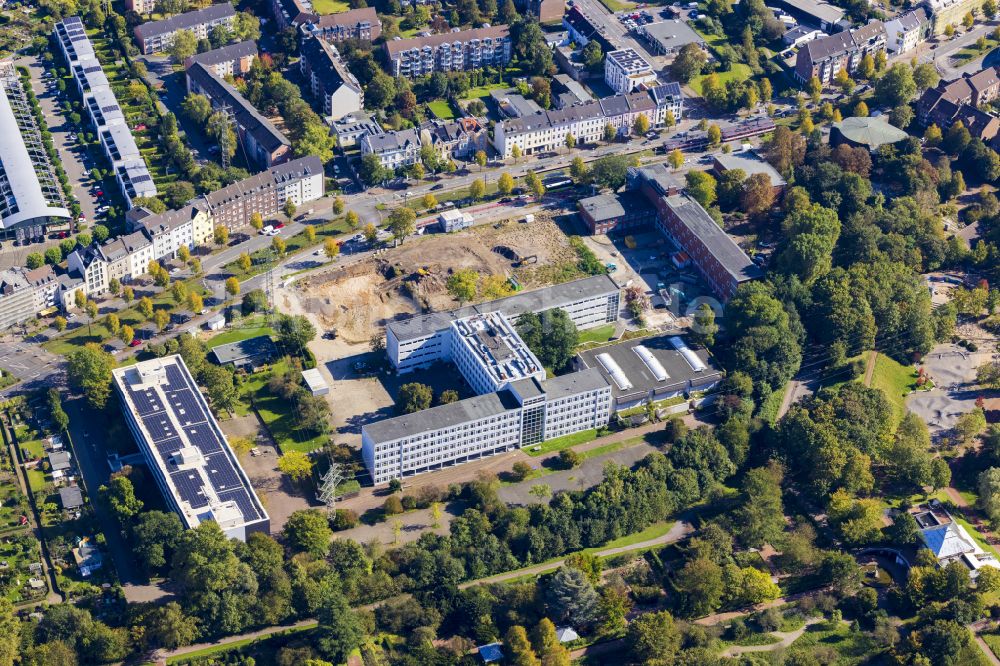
(626,71)
(393,149)
(489,353)
(904,32)
(89,265)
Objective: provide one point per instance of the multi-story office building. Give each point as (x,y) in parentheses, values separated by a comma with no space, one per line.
(522,413)
(626,71)
(261,141)
(104,112)
(489,353)
(231,60)
(30,194)
(422,340)
(156,36)
(826,56)
(329,80)
(449,52)
(188,455)
(17,298)
(300,180)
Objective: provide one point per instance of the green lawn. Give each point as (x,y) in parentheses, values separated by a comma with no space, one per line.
(993,641)
(480,92)
(896,380)
(36,480)
(617,5)
(596,335)
(441,109)
(264,258)
(330,6)
(277,414)
(739,72)
(238,334)
(560,443)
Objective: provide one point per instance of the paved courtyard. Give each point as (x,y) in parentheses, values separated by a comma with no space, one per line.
(953,371)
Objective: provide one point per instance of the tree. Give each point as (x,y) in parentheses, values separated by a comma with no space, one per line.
(161,318)
(34,260)
(547,645)
(244,262)
(701,186)
(429,201)
(688,64)
(340,631)
(641,125)
(700,586)
(414,397)
(572,597)
(940,476)
(184,46)
(592,54)
(970,425)
(570,141)
(609,132)
(120,496)
(154,535)
(402,222)
(676,158)
(534,184)
(59,323)
(89,373)
(113,324)
(714,135)
(352,219)
(860,110)
(518,648)
(295,332)
(331,248)
(866,69)
(815,88)
(310,233)
(515,152)
(578,170)
(462,284)
(896,87)
(758,195)
(297,465)
(609,171)
(53,255)
(126,334)
(480,158)
(477,189)
(370,232)
(925,76)
(288,209)
(654,638)
(568,459)
(786,149)
(371,170)
(505,184)
(256,221)
(232,286)
(760,517)
(218,383)
(220,235)
(551,335)
(168,627)
(279,246)
(308,531)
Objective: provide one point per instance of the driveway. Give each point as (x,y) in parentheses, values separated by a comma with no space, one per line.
(953,371)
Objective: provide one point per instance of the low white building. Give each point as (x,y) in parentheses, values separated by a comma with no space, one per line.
(315,382)
(454,220)
(625,71)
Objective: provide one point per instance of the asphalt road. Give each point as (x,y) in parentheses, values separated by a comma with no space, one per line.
(612,29)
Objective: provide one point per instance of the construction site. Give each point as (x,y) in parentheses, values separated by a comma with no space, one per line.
(359,299)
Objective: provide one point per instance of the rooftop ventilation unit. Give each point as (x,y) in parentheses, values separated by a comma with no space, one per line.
(613,369)
(651,362)
(692,359)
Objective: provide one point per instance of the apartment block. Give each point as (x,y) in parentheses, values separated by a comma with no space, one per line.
(329,80)
(394,150)
(104,112)
(459,51)
(300,180)
(455,139)
(906,31)
(950,12)
(826,56)
(173,229)
(626,71)
(943,103)
(231,60)
(157,36)
(546,131)
(262,142)
(362,24)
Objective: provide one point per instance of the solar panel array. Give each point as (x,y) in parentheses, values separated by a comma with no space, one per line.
(190,414)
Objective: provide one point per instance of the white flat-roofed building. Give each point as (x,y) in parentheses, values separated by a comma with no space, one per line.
(454,220)
(105,113)
(156,36)
(29,191)
(188,455)
(525,412)
(422,340)
(490,354)
(626,71)
(314,381)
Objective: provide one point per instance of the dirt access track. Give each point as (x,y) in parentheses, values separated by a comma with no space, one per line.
(359,300)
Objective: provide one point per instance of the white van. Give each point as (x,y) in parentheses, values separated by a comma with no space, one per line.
(266,231)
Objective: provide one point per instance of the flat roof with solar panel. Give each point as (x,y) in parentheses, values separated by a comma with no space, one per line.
(186,450)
